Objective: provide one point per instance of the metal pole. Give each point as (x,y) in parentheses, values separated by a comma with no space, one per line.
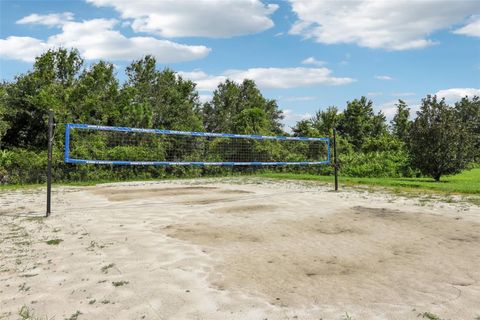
(335,163)
(49,163)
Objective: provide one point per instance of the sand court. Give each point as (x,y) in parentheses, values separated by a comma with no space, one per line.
(237,249)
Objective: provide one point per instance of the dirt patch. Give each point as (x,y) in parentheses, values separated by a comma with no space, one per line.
(126,194)
(207,201)
(230,191)
(374,254)
(206,235)
(123,194)
(246,209)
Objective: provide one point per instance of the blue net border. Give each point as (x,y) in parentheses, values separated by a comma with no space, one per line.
(71,126)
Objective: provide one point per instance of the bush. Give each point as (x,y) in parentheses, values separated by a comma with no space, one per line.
(376,164)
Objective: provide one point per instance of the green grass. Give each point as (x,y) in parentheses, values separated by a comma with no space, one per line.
(54,242)
(105,268)
(26,314)
(467,182)
(21,186)
(93,182)
(119,283)
(430,316)
(74,316)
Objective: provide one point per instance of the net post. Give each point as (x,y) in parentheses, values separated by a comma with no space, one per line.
(66,154)
(335,163)
(49,162)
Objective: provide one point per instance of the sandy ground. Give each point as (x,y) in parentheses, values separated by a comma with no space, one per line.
(237,249)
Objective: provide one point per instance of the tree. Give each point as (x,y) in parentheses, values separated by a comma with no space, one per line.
(230,99)
(437,143)
(251,121)
(400,122)
(47,86)
(360,122)
(468,111)
(135,113)
(305,128)
(177,105)
(3,111)
(379,125)
(169,101)
(326,120)
(96,96)
(58,66)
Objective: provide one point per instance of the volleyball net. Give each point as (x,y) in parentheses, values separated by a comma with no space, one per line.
(93,144)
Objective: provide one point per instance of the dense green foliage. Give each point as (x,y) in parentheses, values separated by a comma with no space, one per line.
(241,108)
(359,122)
(155,98)
(401,123)
(468,113)
(440,143)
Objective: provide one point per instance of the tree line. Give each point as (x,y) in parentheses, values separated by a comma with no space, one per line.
(442,139)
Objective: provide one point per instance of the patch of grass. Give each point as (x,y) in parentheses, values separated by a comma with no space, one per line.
(105,268)
(92,301)
(119,283)
(94,244)
(467,182)
(83,183)
(23,287)
(74,316)
(347,317)
(21,186)
(54,242)
(25,313)
(429,316)
(105,301)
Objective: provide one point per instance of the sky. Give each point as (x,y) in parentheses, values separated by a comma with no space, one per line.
(306,54)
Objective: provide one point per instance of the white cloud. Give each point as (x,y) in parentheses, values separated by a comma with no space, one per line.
(393,25)
(97,39)
(280,78)
(453,95)
(385,78)
(52,19)
(374,94)
(199,18)
(21,48)
(313,61)
(471,29)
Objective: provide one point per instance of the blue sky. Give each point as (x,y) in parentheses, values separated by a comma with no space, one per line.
(307,54)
